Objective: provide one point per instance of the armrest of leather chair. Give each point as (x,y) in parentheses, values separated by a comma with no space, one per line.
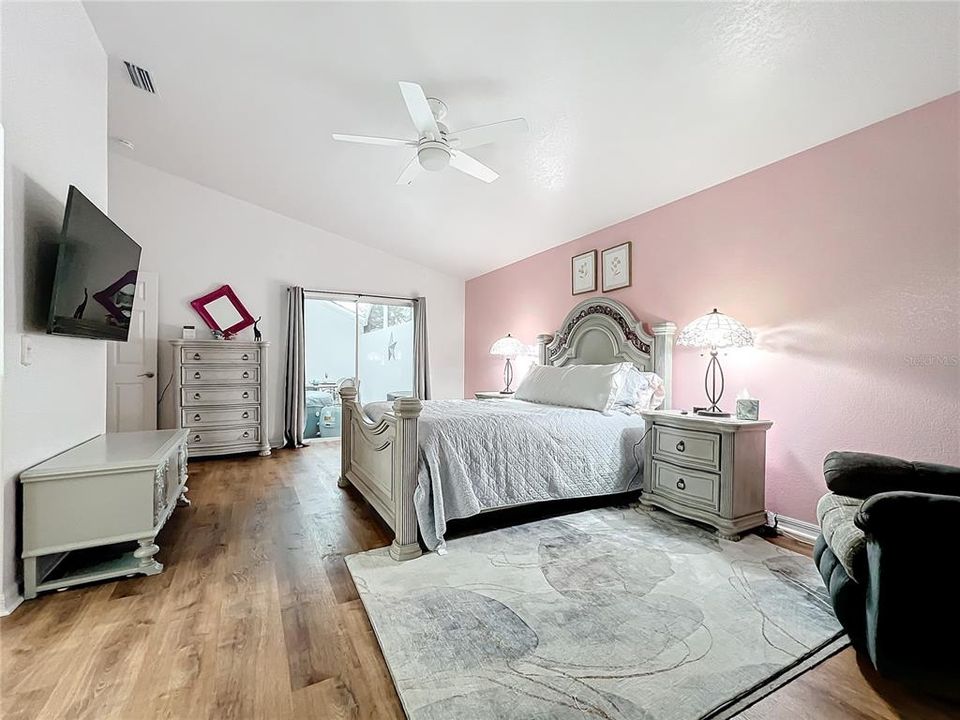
(909,517)
(862,475)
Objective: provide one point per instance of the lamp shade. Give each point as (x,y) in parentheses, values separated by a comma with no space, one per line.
(715,330)
(508,346)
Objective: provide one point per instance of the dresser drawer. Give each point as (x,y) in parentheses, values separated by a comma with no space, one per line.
(226,354)
(199,418)
(198,375)
(690,487)
(192,397)
(223,436)
(687,447)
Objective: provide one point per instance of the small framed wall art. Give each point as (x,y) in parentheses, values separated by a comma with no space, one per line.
(583,271)
(615,267)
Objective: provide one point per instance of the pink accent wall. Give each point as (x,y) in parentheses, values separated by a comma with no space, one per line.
(845,261)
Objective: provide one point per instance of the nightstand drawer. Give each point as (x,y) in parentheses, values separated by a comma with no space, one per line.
(687,447)
(690,487)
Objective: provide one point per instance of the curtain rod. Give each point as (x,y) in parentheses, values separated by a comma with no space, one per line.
(359,295)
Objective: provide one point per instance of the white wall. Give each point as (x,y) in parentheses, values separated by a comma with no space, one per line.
(54,112)
(197,239)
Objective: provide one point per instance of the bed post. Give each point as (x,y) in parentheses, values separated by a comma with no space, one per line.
(405,469)
(348,396)
(664,334)
(542,342)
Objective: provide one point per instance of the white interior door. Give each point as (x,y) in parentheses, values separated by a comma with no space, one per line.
(132,366)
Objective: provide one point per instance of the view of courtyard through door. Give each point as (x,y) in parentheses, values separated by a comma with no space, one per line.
(352,339)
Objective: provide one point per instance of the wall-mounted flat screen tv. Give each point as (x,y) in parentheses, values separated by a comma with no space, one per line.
(96,276)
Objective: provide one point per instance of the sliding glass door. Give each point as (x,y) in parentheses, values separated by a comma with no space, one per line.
(358,339)
(384,349)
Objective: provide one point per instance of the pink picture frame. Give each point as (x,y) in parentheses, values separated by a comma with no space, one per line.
(224,292)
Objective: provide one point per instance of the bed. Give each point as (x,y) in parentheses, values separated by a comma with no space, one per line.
(503,453)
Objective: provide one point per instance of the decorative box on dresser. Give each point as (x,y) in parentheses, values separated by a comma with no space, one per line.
(706,469)
(220,394)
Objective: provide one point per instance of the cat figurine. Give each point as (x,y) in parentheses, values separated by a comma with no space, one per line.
(78,313)
(257,335)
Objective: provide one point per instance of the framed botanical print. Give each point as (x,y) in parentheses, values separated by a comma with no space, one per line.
(584,273)
(615,267)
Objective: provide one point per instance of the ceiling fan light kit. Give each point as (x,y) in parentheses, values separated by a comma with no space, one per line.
(438,148)
(433,155)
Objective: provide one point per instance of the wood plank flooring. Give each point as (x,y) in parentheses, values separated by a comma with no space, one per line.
(256,616)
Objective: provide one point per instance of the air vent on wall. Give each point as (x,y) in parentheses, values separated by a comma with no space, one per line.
(140,77)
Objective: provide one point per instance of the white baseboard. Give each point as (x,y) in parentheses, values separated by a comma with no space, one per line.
(10,599)
(791,527)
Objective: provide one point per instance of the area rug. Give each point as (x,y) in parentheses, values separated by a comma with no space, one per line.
(615,614)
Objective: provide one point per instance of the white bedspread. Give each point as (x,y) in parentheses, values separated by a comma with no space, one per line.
(479,455)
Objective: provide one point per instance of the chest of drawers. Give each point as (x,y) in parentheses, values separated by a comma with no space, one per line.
(706,469)
(220,395)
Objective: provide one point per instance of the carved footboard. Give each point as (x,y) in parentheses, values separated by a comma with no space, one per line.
(380,460)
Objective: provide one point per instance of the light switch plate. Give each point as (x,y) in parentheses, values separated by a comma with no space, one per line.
(26,350)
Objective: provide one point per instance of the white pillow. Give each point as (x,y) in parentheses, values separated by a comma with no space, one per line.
(639,390)
(593,387)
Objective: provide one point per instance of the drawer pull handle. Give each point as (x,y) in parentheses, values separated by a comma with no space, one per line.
(681,446)
(196,356)
(246,433)
(245,374)
(245,415)
(196,417)
(244,357)
(681,485)
(246,395)
(196,375)
(196,396)
(196,438)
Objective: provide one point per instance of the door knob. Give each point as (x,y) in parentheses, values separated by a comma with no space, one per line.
(146,375)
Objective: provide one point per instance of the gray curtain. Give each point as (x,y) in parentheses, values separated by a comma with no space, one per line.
(294,389)
(420,351)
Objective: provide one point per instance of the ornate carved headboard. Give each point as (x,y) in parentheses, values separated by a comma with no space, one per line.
(602,331)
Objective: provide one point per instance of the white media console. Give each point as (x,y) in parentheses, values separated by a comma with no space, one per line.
(116,488)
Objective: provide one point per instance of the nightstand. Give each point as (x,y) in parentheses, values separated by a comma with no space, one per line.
(706,469)
(491,395)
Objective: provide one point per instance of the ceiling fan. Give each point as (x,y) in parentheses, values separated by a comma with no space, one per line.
(436,146)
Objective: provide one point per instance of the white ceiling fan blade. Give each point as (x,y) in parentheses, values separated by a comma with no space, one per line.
(486,134)
(410,172)
(471,166)
(419,109)
(368,140)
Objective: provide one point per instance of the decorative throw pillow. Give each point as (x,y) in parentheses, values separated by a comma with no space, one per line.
(639,390)
(593,387)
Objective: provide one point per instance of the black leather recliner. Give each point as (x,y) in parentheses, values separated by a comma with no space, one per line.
(889,553)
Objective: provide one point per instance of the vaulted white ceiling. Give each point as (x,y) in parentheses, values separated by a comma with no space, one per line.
(630,106)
